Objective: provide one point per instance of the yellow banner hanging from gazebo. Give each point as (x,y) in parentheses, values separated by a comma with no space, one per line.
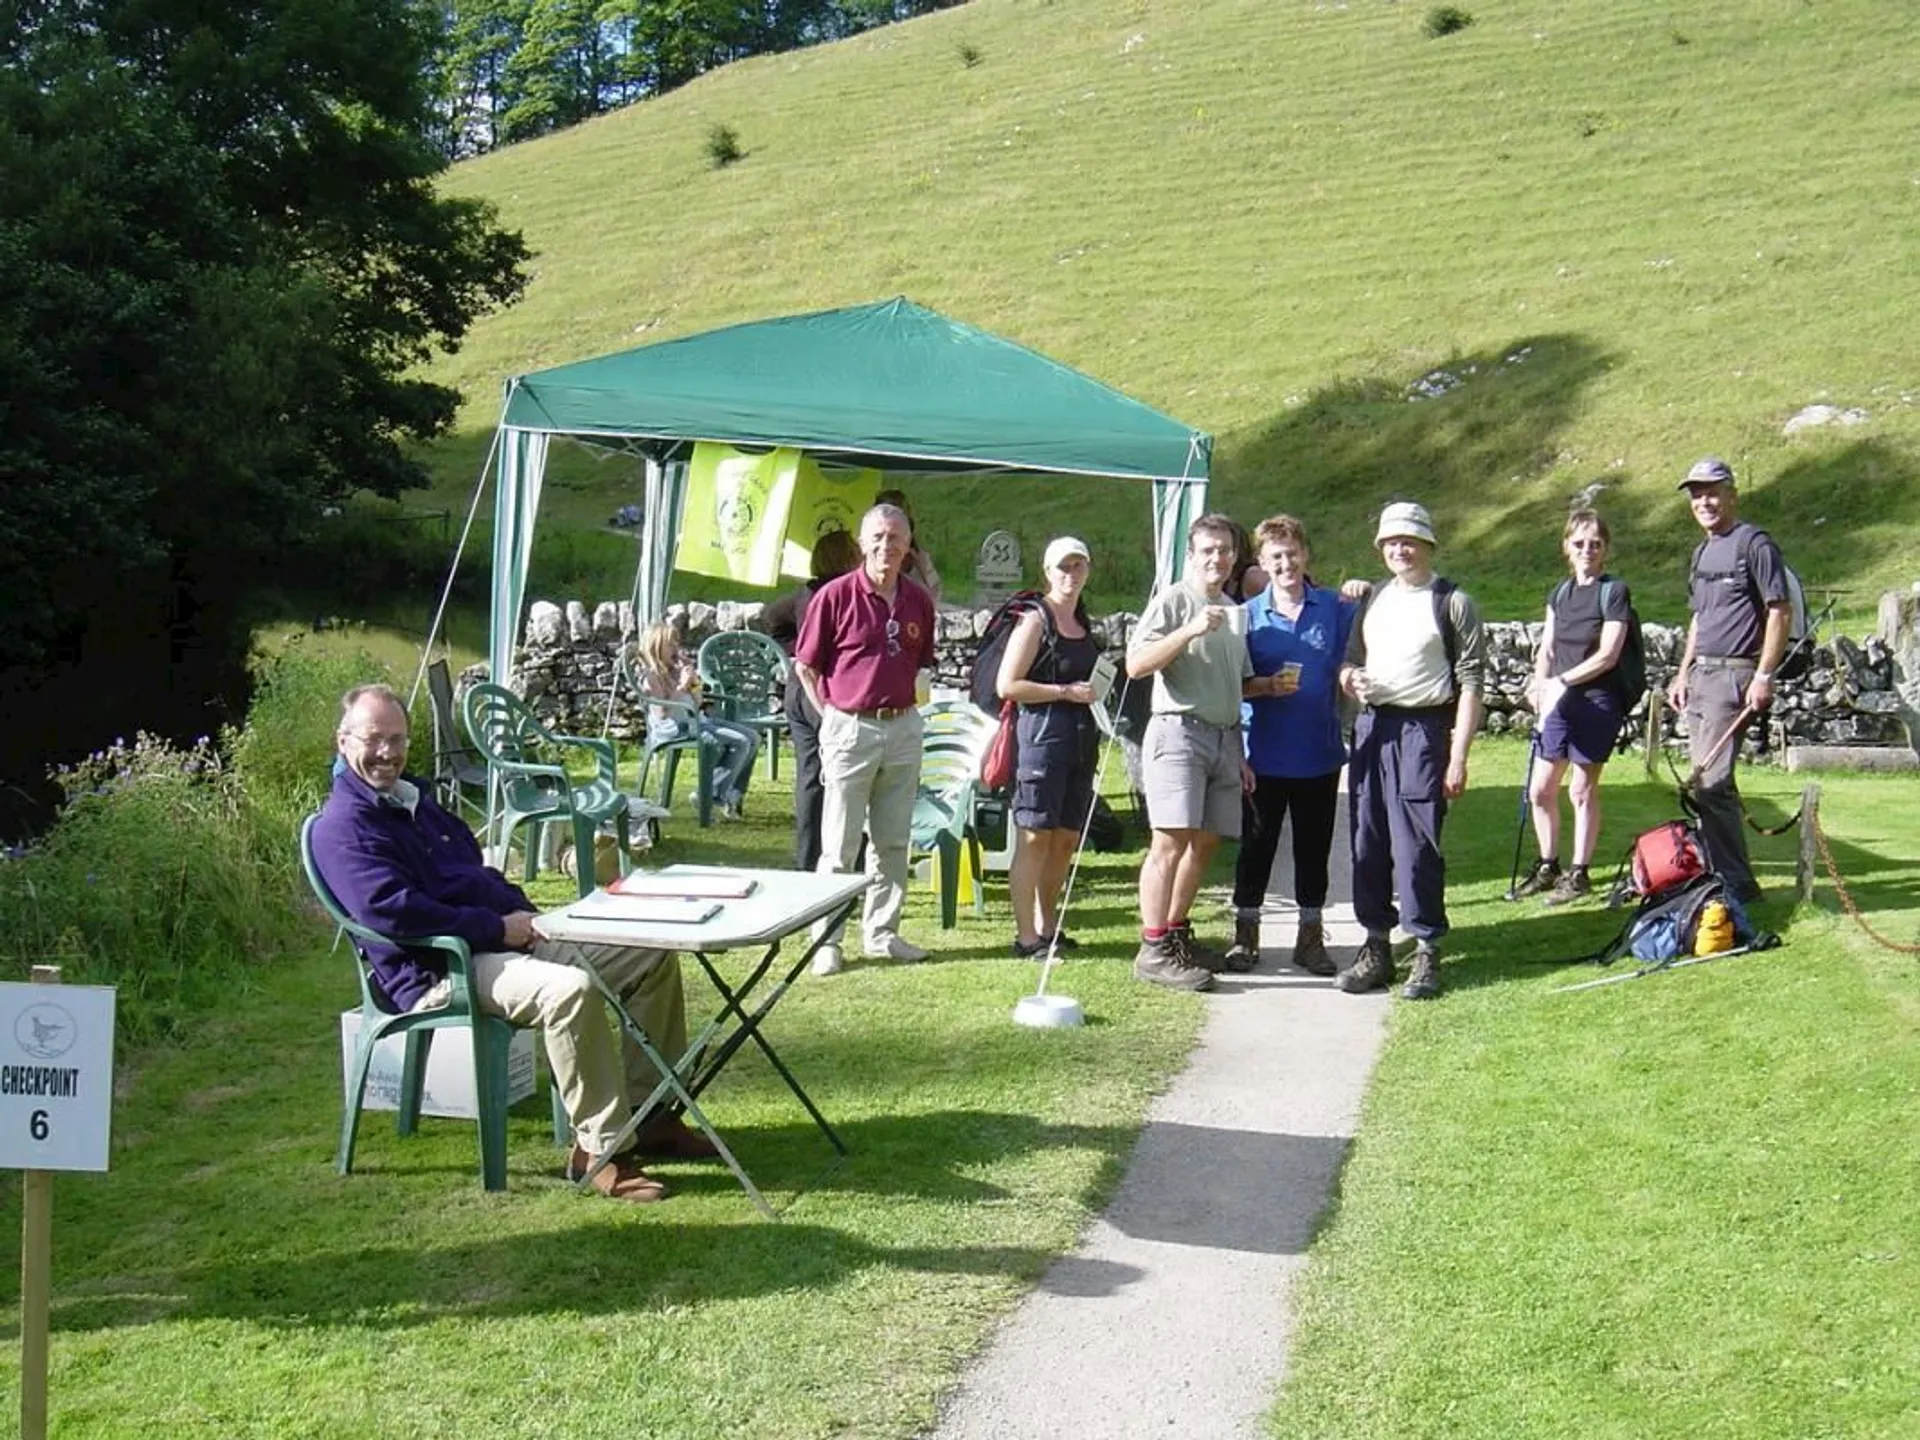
(754,517)
(824,500)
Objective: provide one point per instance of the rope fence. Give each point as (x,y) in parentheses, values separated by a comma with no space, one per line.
(1814,844)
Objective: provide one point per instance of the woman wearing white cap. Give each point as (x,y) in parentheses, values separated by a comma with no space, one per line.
(1047,670)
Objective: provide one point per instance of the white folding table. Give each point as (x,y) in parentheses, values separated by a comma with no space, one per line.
(783,903)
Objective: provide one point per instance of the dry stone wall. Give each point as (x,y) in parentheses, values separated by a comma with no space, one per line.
(1863,692)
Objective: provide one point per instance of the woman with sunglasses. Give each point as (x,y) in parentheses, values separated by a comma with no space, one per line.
(1577,700)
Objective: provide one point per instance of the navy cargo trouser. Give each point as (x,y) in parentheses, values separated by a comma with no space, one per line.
(1396,779)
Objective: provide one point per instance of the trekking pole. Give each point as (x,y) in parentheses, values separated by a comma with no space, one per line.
(1520,828)
(1680,963)
(1747,712)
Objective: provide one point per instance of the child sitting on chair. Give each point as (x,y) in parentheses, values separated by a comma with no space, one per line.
(665,672)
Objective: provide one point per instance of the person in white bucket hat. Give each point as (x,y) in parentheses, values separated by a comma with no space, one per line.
(1415,661)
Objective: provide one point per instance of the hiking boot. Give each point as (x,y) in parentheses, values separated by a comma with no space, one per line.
(1573,885)
(1310,949)
(1372,968)
(1424,982)
(1159,962)
(1245,953)
(1190,950)
(1544,875)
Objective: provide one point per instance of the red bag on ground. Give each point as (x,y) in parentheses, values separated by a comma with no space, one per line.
(996,766)
(1666,857)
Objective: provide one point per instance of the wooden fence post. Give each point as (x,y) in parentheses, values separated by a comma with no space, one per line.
(1809,844)
(1656,703)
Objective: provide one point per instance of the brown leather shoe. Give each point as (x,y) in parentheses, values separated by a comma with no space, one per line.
(620,1179)
(669,1137)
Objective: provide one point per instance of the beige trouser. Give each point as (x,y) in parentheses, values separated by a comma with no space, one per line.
(550,989)
(870,775)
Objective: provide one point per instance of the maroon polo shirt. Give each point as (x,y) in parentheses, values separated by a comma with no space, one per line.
(844,640)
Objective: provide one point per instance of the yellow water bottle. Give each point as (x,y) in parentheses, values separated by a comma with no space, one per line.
(1714,933)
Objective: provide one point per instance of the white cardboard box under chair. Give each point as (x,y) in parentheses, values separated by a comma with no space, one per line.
(448,1090)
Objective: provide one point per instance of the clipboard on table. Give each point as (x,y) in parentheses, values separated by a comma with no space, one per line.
(660,885)
(644,909)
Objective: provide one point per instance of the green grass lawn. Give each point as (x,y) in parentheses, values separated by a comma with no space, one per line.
(1676,1206)
(222,1280)
(1679,1206)
(1631,230)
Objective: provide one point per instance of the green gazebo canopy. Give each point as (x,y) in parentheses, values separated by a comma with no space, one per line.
(893,385)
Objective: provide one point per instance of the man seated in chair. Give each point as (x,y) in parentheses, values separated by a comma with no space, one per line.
(400,864)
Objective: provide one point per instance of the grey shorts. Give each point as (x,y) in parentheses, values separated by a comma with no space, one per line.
(1191,774)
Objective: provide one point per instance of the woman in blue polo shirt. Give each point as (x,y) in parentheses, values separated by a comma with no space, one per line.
(1296,634)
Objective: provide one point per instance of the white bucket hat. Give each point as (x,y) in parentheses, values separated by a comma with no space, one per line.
(1404,520)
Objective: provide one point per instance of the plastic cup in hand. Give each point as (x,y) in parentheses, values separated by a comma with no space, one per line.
(1290,677)
(1237,620)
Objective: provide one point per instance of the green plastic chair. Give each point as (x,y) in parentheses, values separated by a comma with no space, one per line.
(459,772)
(508,734)
(491,1037)
(745,672)
(689,737)
(956,739)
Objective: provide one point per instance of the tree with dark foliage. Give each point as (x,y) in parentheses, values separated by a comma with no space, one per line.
(223,263)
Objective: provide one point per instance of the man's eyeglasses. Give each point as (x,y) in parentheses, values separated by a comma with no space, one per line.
(379,743)
(893,636)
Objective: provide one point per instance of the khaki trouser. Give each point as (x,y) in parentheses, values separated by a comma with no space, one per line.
(870,775)
(1716,693)
(550,989)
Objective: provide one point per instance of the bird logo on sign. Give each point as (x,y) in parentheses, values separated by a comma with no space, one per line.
(45,1031)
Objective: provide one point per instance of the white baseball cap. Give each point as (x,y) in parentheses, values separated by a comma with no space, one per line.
(1404,520)
(1063,549)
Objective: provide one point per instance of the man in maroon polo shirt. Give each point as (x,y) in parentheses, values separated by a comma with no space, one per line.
(867,636)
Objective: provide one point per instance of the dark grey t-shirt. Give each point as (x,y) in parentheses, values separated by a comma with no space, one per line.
(1734,577)
(1578,617)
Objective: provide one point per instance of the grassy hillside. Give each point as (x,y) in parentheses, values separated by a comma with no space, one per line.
(1633,230)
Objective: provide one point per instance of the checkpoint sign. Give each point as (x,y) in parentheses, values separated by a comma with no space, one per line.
(56,1076)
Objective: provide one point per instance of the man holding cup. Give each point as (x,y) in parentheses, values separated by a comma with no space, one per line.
(1416,662)
(1192,642)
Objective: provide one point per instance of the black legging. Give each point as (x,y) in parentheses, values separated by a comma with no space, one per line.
(1313,802)
(809,793)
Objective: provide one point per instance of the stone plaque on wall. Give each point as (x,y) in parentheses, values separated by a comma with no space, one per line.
(997,573)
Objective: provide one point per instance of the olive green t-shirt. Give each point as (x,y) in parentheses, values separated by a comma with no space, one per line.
(1204,679)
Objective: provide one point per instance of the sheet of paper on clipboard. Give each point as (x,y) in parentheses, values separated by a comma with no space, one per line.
(655,884)
(644,909)
(1105,671)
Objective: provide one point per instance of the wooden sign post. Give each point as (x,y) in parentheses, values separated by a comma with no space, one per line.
(56,1109)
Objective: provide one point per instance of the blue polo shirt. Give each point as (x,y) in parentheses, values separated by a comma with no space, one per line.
(1297,736)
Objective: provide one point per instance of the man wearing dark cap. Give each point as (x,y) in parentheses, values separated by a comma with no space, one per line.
(1737,589)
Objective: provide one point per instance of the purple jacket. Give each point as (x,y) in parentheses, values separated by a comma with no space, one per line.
(409,876)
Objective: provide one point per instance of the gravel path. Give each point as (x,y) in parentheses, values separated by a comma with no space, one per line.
(1172,1318)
